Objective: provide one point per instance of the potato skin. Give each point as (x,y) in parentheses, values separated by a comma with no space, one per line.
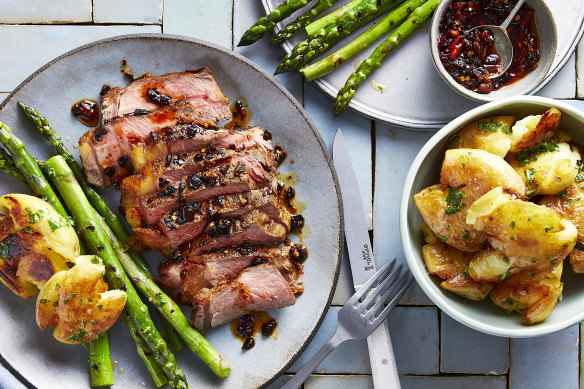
(534,293)
(491,134)
(570,204)
(451,265)
(490,265)
(533,129)
(450,228)
(78,303)
(524,232)
(480,170)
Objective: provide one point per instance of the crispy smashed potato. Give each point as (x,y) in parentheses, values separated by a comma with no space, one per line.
(524,232)
(78,303)
(490,134)
(490,265)
(451,265)
(35,243)
(548,168)
(570,204)
(533,293)
(534,129)
(444,210)
(480,170)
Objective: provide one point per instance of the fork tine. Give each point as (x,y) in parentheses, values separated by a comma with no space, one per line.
(354,300)
(390,279)
(394,292)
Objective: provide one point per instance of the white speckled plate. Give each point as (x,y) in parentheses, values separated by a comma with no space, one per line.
(416,96)
(40,361)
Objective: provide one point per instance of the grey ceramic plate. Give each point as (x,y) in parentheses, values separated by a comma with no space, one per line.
(39,360)
(416,96)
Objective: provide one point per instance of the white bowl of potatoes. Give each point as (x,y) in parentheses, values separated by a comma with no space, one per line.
(492,217)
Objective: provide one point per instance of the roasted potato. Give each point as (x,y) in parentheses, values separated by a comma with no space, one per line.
(533,292)
(428,235)
(490,265)
(479,170)
(490,134)
(548,168)
(534,129)
(451,265)
(36,242)
(444,210)
(526,233)
(570,204)
(78,303)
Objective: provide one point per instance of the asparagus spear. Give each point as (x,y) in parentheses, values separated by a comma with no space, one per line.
(329,18)
(22,166)
(293,27)
(170,311)
(7,166)
(268,22)
(417,18)
(320,42)
(363,41)
(135,311)
(95,198)
(100,363)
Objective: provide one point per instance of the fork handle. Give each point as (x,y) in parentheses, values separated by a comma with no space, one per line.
(304,373)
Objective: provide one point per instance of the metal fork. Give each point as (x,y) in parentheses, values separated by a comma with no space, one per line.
(362,314)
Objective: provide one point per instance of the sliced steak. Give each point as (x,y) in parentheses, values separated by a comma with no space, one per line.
(182,280)
(255,228)
(105,151)
(257,288)
(198,87)
(175,167)
(218,181)
(185,223)
(188,138)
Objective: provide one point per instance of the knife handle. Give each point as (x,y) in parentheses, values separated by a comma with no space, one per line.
(383,366)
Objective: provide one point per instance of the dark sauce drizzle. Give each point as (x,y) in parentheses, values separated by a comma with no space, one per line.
(241,114)
(247,326)
(86,111)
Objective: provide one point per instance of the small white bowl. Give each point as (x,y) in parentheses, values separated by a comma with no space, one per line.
(425,171)
(548,40)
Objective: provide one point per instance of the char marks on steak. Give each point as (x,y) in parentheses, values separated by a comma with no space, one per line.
(185,223)
(105,151)
(156,177)
(255,227)
(192,137)
(198,87)
(182,280)
(217,181)
(256,288)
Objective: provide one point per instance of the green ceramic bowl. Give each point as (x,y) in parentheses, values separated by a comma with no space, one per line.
(425,171)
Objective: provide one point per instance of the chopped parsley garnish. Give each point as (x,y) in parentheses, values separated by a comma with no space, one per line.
(28,229)
(94,260)
(43,301)
(466,235)
(34,218)
(509,304)
(531,154)
(563,194)
(579,246)
(454,140)
(507,273)
(548,228)
(492,126)
(531,183)
(512,224)
(78,336)
(533,260)
(453,199)
(100,307)
(54,225)
(506,260)
(5,246)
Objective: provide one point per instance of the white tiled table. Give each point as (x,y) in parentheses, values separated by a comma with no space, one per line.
(432,350)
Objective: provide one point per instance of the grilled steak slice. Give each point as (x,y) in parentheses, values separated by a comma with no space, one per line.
(185,223)
(182,280)
(257,288)
(255,227)
(105,151)
(192,137)
(218,181)
(198,87)
(175,167)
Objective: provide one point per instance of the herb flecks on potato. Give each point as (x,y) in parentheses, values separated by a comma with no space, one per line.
(521,230)
(535,129)
(35,243)
(491,134)
(78,303)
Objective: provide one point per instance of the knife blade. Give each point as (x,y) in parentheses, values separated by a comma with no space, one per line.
(383,366)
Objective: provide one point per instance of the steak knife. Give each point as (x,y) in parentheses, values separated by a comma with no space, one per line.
(383,367)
